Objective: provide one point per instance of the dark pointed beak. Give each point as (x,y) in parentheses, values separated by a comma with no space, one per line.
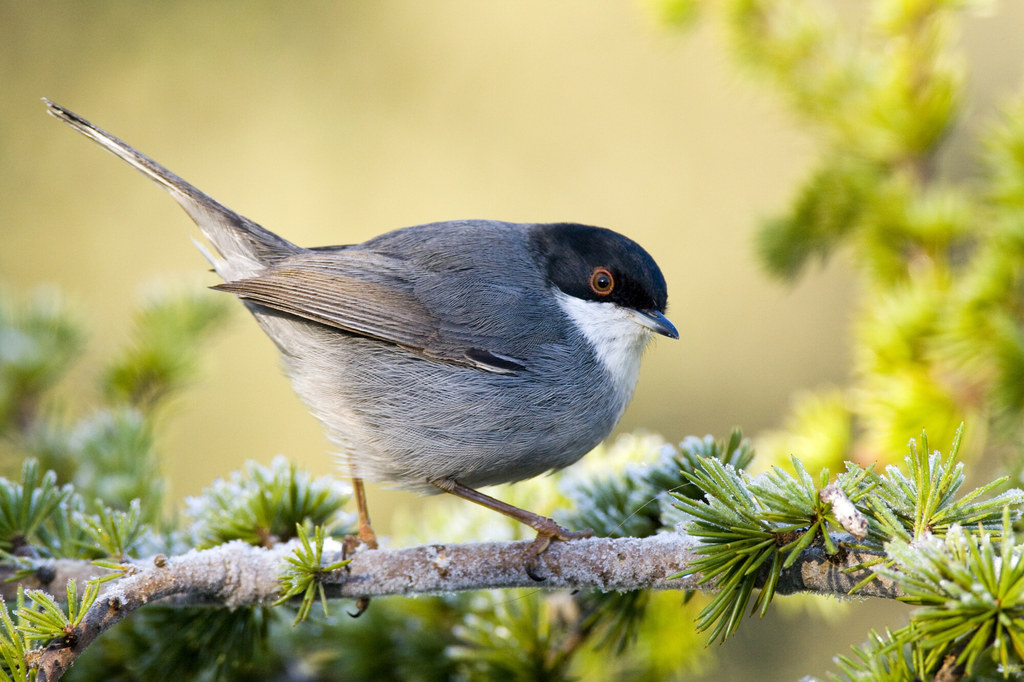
(657,322)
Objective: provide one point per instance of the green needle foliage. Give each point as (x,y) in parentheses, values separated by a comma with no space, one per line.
(165,643)
(47,621)
(882,659)
(754,528)
(38,518)
(736,452)
(975,588)
(304,573)
(27,506)
(632,503)
(922,500)
(514,639)
(971,588)
(14,647)
(39,339)
(628,503)
(737,541)
(109,452)
(117,533)
(154,366)
(396,640)
(794,507)
(263,505)
(115,456)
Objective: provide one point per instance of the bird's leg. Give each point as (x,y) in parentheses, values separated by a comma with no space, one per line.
(365,532)
(547,529)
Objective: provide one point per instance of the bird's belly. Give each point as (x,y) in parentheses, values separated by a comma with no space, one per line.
(406,420)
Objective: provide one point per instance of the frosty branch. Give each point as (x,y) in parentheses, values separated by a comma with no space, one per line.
(236,575)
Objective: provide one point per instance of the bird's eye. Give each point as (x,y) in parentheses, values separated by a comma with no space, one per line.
(602,282)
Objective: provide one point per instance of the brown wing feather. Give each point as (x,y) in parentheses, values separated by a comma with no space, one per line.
(351,297)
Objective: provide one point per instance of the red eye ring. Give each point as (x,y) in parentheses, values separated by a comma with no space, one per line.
(602,282)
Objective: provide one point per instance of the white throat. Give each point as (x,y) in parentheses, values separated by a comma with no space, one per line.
(617,337)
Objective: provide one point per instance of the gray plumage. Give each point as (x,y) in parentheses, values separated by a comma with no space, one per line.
(405,418)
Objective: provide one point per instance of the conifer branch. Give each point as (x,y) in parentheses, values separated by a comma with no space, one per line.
(238,575)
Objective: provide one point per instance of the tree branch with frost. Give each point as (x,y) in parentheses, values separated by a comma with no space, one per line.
(237,575)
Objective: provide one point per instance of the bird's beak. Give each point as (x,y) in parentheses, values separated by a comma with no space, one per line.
(656,322)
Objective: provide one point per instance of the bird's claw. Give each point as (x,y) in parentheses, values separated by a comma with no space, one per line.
(548,532)
(362,604)
(349,545)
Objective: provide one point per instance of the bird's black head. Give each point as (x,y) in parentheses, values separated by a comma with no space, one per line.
(596,264)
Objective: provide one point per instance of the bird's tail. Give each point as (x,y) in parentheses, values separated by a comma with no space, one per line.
(244,247)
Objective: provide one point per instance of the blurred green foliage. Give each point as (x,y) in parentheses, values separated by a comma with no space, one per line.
(107,449)
(38,341)
(938,332)
(154,366)
(263,505)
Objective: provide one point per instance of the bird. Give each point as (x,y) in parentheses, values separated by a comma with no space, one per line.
(447,356)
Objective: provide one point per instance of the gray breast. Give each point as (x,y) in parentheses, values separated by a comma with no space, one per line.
(403,419)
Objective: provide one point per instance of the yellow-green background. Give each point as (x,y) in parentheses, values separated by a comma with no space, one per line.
(332,122)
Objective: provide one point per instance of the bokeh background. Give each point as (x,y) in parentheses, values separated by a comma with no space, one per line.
(333,122)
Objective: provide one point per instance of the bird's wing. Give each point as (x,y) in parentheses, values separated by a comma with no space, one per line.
(366,293)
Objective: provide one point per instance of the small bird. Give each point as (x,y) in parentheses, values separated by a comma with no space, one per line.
(446,356)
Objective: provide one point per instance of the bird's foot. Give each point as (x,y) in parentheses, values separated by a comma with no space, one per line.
(548,530)
(364,537)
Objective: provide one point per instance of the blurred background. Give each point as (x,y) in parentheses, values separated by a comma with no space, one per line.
(330,123)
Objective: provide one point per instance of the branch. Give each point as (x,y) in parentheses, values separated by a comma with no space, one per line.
(238,575)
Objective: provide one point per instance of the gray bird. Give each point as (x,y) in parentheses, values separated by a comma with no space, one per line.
(446,356)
